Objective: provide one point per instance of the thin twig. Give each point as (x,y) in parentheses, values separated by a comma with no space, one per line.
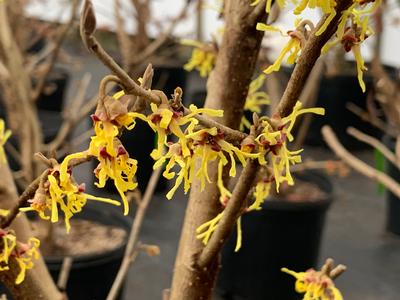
(64,273)
(358,164)
(378,123)
(375,144)
(134,234)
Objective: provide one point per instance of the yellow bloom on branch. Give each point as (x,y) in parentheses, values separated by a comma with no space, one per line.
(314,285)
(23,253)
(273,142)
(164,120)
(203,57)
(9,242)
(114,162)
(55,194)
(4,135)
(175,157)
(292,48)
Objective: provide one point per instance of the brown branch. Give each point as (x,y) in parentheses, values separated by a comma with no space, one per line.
(133,239)
(57,46)
(358,164)
(231,213)
(375,144)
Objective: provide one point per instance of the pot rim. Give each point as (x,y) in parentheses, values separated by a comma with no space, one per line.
(86,260)
(320,179)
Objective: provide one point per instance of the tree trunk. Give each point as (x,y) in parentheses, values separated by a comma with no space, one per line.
(227,89)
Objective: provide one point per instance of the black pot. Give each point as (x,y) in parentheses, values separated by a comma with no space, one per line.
(167,78)
(334,94)
(92,276)
(282,234)
(52,98)
(392,201)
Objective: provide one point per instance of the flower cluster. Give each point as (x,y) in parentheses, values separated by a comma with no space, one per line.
(273,141)
(206,144)
(114,162)
(271,150)
(352,31)
(23,253)
(315,285)
(203,57)
(56,192)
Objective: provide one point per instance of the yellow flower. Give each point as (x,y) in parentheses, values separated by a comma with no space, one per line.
(261,192)
(164,120)
(293,48)
(203,57)
(272,141)
(315,285)
(21,252)
(186,164)
(54,195)
(114,162)
(9,242)
(255,99)
(4,135)
(352,35)
(24,254)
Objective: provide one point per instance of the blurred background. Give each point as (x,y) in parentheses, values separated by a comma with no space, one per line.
(358,223)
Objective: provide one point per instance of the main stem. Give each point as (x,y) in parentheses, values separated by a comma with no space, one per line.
(227,89)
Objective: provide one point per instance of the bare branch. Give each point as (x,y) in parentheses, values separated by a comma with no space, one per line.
(358,164)
(375,144)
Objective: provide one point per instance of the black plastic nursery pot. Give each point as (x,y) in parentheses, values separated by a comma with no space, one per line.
(282,234)
(392,201)
(334,93)
(167,78)
(92,276)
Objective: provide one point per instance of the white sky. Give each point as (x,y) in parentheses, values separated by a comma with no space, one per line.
(57,10)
